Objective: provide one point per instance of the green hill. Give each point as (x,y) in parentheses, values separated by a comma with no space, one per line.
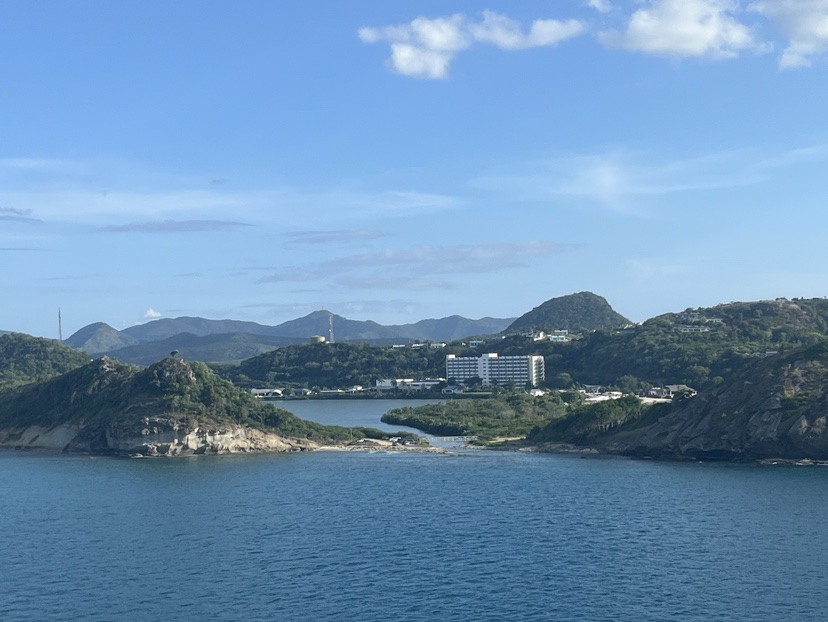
(774,407)
(340,365)
(698,347)
(25,359)
(231,341)
(219,348)
(172,407)
(581,312)
(99,337)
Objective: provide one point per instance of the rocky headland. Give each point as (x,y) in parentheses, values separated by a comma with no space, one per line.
(172,408)
(776,409)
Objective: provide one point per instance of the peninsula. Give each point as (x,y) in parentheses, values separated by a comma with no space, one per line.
(171,408)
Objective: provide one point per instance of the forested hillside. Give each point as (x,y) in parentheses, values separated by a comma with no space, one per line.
(579,312)
(340,365)
(25,359)
(107,399)
(774,407)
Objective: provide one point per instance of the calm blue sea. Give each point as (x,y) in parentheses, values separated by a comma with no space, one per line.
(474,535)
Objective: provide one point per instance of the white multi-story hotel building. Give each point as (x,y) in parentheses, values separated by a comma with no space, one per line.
(491,367)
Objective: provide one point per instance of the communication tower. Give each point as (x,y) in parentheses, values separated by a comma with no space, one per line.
(330,327)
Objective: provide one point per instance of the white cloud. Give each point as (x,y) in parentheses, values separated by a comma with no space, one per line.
(695,28)
(151,314)
(805,22)
(425,47)
(602,6)
(507,34)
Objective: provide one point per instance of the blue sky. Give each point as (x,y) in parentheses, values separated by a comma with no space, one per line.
(395,161)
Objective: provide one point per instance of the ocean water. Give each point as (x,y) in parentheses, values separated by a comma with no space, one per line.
(472,535)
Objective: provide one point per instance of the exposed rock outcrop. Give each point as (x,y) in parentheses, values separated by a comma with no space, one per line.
(159,438)
(172,408)
(776,408)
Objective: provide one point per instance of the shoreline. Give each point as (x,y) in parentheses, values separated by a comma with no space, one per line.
(426,449)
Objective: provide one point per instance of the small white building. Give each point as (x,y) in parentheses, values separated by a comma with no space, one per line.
(264,394)
(388,384)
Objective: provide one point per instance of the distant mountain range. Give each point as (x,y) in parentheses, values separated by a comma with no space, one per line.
(231,341)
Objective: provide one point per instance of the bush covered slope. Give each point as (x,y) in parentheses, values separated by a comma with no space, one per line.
(776,407)
(579,312)
(340,365)
(108,401)
(25,359)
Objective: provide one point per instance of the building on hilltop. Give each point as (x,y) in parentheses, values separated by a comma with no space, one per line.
(491,368)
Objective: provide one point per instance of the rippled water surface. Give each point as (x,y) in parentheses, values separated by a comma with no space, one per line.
(377,536)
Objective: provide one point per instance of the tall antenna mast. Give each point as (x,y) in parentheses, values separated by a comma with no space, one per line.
(60,327)
(330,327)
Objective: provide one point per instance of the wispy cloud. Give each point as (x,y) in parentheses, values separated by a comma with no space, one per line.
(333,237)
(655,270)
(113,200)
(617,179)
(422,262)
(602,6)
(425,47)
(151,314)
(388,203)
(80,278)
(176,226)
(614,179)
(16,215)
(679,28)
(39,164)
(379,280)
(372,307)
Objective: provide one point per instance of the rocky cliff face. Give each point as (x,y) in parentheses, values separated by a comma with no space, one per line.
(778,409)
(167,436)
(173,408)
(158,438)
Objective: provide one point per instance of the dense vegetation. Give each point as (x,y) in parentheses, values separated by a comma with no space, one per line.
(774,408)
(699,348)
(223,348)
(737,334)
(580,312)
(663,350)
(25,359)
(588,421)
(511,415)
(339,365)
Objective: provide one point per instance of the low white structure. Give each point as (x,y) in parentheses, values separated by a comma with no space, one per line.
(407,384)
(264,394)
(387,384)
